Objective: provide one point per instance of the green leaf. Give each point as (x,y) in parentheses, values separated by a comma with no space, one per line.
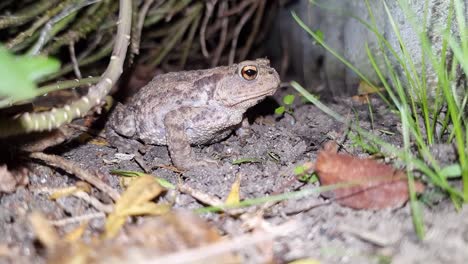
(163,182)
(246,160)
(18,74)
(288,99)
(280,110)
(451,171)
(299,170)
(36,67)
(15,84)
(319,35)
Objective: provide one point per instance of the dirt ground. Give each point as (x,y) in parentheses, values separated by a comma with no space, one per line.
(323,231)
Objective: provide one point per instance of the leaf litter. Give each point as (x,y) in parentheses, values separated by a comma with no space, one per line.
(373,185)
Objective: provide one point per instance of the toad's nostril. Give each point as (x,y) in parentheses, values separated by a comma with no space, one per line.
(270,71)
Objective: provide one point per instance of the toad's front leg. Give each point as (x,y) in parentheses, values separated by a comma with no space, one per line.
(178,142)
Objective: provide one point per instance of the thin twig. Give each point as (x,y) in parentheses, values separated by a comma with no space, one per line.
(222,38)
(256,27)
(72,168)
(139,27)
(237,32)
(237,243)
(209,12)
(93,201)
(209,200)
(238,9)
(200,196)
(76,67)
(77,219)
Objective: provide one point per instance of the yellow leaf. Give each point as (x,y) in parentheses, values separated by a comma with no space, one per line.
(233,197)
(63,192)
(87,138)
(77,233)
(67,191)
(136,200)
(141,190)
(148,209)
(99,142)
(125,181)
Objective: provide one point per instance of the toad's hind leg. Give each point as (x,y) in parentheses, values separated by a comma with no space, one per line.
(178,143)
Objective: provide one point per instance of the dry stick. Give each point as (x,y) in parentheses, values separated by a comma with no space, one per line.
(238,9)
(237,32)
(187,45)
(223,36)
(76,67)
(54,118)
(200,196)
(73,168)
(106,208)
(209,12)
(83,61)
(93,201)
(141,20)
(77,219)
(256,26)
(209,199)
(237,243)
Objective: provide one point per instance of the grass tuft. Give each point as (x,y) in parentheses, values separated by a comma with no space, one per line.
(428,116)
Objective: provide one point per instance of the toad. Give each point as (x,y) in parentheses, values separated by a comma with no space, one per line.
(190,108)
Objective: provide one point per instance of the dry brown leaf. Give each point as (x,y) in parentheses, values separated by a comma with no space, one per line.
(374,185)
(136,200)
(361,99)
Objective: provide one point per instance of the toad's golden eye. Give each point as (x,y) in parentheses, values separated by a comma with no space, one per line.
(249,72)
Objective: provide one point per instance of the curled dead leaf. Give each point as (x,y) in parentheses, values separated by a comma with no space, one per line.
(233,197)
(373,185)
(10,179)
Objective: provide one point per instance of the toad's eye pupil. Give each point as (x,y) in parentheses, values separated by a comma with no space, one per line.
(250,72)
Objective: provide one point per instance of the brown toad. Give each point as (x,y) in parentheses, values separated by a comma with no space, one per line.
(181,109)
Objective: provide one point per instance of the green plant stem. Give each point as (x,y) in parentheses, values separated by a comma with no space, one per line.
(38,23)
(56,87)
(83,26)
(26,14)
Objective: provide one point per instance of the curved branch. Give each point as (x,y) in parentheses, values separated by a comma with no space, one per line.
(32,122)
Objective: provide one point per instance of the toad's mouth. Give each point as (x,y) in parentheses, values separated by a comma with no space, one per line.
(255,97)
